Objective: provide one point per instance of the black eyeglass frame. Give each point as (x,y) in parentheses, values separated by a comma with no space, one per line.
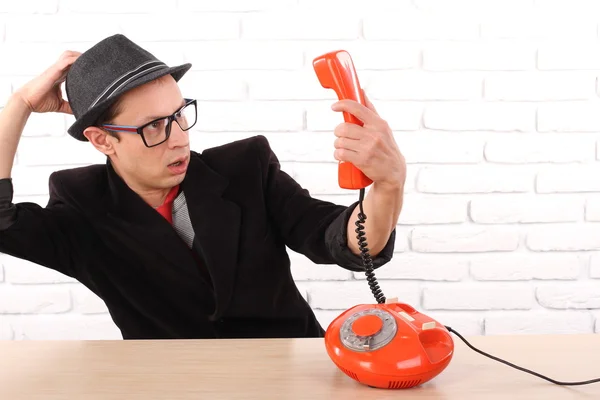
(140,129)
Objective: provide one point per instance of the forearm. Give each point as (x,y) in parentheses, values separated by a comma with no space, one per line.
(382,206)
(13,118)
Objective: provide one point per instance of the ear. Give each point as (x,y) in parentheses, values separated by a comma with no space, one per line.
(101,140)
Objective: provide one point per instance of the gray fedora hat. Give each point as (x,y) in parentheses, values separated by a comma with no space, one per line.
(104,72)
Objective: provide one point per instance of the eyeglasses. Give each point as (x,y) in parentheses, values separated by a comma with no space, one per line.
(158,131)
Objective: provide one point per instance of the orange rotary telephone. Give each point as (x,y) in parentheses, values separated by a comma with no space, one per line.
(389,344)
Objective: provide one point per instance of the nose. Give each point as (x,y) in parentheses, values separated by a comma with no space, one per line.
(178,137)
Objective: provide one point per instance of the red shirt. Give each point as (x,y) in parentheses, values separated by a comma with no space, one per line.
(166,209)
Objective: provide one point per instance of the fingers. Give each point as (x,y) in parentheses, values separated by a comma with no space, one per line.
(347,155)
(65,108)
(360,111)
(349,130)
(346,143)
(58,72)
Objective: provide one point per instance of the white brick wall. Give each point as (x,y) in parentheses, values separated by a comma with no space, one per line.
(496,112)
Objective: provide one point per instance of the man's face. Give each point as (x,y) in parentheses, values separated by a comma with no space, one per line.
(144,168)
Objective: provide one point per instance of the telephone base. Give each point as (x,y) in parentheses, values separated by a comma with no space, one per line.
(390,346)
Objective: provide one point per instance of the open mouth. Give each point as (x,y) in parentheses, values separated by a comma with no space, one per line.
(176,164)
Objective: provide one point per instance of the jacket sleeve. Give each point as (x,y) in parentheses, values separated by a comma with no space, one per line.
(49,236)
(310,226)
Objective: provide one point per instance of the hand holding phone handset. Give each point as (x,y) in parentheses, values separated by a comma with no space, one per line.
(389,344)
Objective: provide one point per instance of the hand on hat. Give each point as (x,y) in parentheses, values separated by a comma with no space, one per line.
(43,93)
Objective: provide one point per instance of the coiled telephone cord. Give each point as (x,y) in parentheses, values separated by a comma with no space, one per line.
(376,290)
(364,250)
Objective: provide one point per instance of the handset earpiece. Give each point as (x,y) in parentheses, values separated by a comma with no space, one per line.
(335,70)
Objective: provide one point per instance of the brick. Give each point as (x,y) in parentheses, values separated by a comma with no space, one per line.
(289,147)
(5,89)
(417,26)
(244,55)
(478,296)
(498,117)
(182,28)
(566,56)
(57,28)
(568,179)
(538,26)
(200,140)
(539,148)
(45,124)
(426,267)
(31,59)
(573,7)
(343,295)
(29,7)
(285,85)
(41,200)
(595,266)
(325,317)
(576,295)
(29,181)
(418,85)
(213,86)
(568,117)
(592,209)
(482,179)
(46,150)
(464,239)
(536,86)
(500,209)
(460,56)
(356,6)
(47,299)
(235,5)
(525,266)
(495,8)
(291,24)
(449,148)
(368,56)
(400,116)
(304,269)
(250,117)
(120,7)
(423,210)
(6,330)
(538,323)
(318,178)
(86,302)
(571,237)
(66,327)
(23,272)
(466,323)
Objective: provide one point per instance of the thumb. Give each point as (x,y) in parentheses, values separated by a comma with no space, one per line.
(65,107)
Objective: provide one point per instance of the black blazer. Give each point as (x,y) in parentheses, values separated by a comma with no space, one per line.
(244,211)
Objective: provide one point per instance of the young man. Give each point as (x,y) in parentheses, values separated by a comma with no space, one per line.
(176,243)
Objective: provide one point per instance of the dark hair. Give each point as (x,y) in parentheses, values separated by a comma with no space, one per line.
(107,117)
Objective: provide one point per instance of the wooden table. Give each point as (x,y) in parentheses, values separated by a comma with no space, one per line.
(283,369)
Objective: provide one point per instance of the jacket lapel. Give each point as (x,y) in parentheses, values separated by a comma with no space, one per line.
(216,223)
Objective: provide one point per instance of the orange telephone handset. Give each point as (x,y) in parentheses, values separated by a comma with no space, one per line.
(335,70)
(389,344)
